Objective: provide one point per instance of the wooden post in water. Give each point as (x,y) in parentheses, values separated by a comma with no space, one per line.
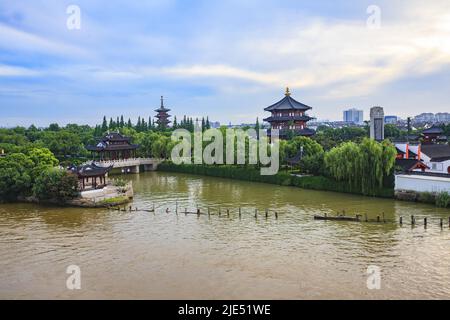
(240,213)
(256,213)
(276,215)
(425,222)
(176,207)
(401,221)
(378,219)
(220,212)
(367,218)
(267,214)
(228,213)
(198,212)
(413,220)
(185,211)
(442,223)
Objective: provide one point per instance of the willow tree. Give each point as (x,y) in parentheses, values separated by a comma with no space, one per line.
(363,166)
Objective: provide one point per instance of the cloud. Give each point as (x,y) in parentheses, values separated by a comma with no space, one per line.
(12,71)
(242,52)
(21,41)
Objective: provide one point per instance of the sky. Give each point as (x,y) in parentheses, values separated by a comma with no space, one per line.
(226,59)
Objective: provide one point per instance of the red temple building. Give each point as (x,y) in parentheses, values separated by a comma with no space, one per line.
(162,116)
(434,135)
(289,117)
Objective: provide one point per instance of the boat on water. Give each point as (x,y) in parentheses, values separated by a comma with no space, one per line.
(356,218)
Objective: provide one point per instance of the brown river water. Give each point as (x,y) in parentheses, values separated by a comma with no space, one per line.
(142,255)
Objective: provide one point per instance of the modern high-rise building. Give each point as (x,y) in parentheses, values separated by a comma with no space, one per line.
(390,119)
(377,123)
(354,115)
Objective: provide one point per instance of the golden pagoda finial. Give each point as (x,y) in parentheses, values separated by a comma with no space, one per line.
(288,93)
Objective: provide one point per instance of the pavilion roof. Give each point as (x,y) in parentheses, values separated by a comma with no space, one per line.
(433,130)
(112,147)
(410,164)
(288,103)
(287,118)
(116,137)
(90,170)
(436,152)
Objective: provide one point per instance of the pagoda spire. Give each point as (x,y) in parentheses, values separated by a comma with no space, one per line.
(287,93)
(162,115)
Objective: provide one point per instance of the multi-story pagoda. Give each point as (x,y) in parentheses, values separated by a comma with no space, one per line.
(163,115)
(113,146)
(289,117)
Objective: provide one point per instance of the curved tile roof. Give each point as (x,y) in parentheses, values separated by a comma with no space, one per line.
(288,103)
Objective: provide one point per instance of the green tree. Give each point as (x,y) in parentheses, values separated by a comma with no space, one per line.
(53,127)
(104,125)
(15,176)
(56,184)
(42,157)
(363,166)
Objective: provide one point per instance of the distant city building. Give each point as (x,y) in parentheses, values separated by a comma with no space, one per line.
(332,124)
(162,115)
(390,119)
(443,117)
(377,123)
(215,124)
(354,115)
(289,115)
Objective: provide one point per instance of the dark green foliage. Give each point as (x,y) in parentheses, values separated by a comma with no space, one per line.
(330,138)
(56,184)
(365,166)
(426,197)
(443,200)
(15,176)
(313,164)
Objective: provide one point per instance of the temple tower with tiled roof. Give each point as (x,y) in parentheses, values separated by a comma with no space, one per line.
(289,115)
(162,116)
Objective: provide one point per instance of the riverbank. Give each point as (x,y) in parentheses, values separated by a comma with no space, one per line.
(109,196)
(282,178)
